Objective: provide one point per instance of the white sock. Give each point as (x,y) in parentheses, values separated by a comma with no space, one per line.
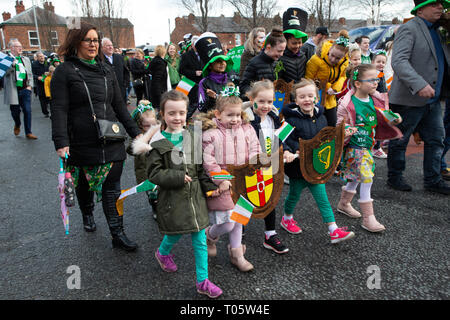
(364,192)
(270,233)
(332,227)
(286,217)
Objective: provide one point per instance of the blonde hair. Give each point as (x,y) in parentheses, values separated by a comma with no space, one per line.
(304,83)
(51,69)
(352,48)
(259,86)
(160,51)
(250,43)
(140,51)
(223,101)
(145,114)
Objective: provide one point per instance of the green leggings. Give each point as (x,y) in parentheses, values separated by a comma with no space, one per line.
(200,251)
(319,193)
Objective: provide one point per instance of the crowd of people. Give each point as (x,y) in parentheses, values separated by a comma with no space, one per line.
(334,82)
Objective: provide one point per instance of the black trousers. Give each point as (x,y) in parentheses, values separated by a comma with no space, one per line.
(45,103)
(331,115)
(269,221)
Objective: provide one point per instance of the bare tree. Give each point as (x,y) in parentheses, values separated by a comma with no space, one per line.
(256,13)
(106,15)
(376,10)
(199,8)
(324,12)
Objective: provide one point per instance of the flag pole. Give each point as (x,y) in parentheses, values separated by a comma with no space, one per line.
(36,24)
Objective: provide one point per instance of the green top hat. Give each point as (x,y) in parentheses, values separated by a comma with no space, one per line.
(422,3)
(210,50)
(294,22)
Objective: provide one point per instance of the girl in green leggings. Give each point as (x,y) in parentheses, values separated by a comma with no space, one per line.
(308,119)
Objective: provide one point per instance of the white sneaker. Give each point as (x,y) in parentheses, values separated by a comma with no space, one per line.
(379,153)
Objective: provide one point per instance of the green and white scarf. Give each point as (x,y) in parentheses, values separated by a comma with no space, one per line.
(21,72)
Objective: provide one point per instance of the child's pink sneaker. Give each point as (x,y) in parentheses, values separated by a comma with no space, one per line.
(208,288)
(166,262)
(341,234)
(290,226)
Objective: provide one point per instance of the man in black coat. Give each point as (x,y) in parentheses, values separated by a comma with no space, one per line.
(40,67)
(118,64)
(191,67)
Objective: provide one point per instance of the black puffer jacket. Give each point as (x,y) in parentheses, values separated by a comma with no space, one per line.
(260,67)
(294,66)
(158,70)
(72,122)
(306,128)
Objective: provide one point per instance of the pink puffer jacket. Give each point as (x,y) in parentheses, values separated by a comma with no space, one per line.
(346,112)
(222,146)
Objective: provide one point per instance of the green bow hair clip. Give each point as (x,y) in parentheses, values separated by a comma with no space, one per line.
(230,91)
(342,41)
(355,75)
(141,109)
(383,52)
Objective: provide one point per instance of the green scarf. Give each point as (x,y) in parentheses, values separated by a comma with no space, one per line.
(21,72)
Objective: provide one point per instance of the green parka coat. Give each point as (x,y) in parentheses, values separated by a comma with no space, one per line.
(181,207)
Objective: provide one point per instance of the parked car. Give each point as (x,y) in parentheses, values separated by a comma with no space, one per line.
(377,34)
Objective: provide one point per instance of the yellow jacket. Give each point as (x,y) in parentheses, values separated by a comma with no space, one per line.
(47,86)
(319,68)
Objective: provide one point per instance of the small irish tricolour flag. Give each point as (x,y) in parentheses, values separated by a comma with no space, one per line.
(242,211)
(185,85)
(284,131)
(144,186)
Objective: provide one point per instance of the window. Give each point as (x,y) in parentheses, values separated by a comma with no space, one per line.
(237,39)
(34,39)
(54,38)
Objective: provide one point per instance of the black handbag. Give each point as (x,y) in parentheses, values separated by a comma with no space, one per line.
(107,130)
(138,83)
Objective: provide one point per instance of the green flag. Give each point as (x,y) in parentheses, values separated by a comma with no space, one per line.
(235,55)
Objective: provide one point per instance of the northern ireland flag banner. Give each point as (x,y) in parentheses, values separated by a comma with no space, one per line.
(284,131)
(242,211)
(185,85)
(144,186)
(5,63)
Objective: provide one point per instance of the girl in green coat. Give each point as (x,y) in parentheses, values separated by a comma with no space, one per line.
(183,185)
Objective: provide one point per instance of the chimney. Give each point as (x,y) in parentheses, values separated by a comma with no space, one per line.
(237,18)
(342,21)
(19,7)
(191,18)
(49,6)
(6,16)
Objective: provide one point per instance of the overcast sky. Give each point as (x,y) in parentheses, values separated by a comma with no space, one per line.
(151,17)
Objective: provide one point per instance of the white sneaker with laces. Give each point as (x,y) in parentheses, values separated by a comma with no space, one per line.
(379,153)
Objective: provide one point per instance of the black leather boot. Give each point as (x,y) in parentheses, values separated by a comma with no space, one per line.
(115,222)
(86,203)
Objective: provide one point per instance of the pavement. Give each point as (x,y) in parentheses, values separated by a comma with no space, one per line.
(409,261)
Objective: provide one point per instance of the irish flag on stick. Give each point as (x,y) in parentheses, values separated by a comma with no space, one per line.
(144,186)
(222,175)
(284,131)
(185,85)
(242,212)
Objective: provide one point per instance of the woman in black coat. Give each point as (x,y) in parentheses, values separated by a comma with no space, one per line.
(263,66)
(139,68)
(158,70)
(96,166)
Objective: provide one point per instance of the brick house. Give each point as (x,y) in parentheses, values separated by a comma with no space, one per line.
(231,31)
(52,28)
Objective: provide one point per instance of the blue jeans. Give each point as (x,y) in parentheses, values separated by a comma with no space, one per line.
(447,134)
(427,121)
(25,106)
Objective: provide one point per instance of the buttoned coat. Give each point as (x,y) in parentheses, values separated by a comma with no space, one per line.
(415,64)
(10,95)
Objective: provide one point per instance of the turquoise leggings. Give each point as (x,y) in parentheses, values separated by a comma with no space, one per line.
(319,193)
(200,251)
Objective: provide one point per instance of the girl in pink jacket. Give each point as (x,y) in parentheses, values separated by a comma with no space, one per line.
(228,138)
(362,109)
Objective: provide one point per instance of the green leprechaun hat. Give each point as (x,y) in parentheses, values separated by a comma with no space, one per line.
(422,3)
(210,49)
(294,22)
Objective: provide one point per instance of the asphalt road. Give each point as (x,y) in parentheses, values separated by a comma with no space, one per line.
(410,260)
